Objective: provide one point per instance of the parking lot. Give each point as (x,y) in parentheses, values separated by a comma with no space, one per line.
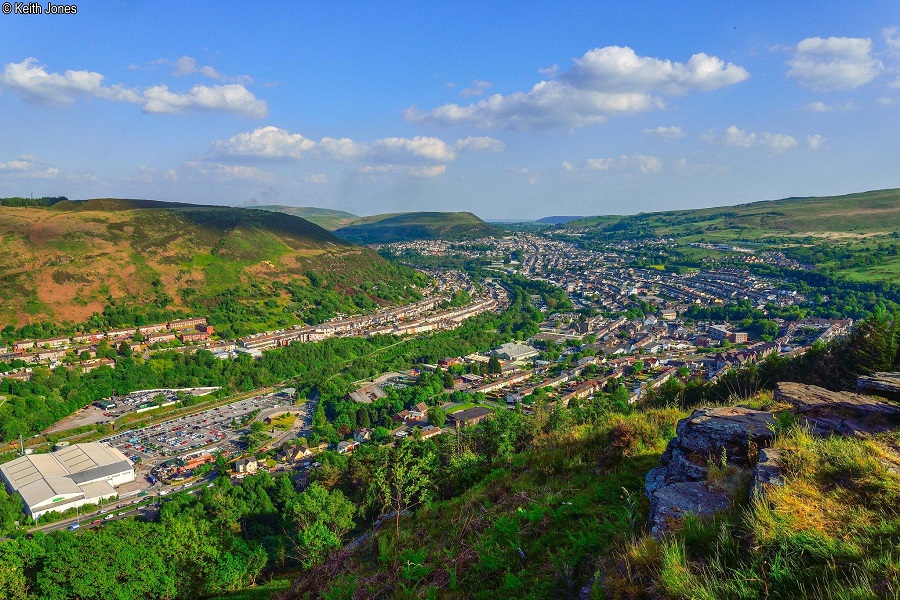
(177,436)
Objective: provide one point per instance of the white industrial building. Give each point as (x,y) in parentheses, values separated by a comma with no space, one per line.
(73,476)
(513,351)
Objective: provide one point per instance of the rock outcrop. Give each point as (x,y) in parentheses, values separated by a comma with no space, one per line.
(682,484)
(843,413)
(880,384)
(679,486)
(767,472)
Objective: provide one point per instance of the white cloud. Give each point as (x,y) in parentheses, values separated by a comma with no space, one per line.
(822,107)
(342,148)
(892,39)
(777,142)
(815,142)
(34,82)
(666,133)
(640,162)
(320,178)
(25,167)
(411,171)
(264,142)
(477,88)
(550,72)
(225,173)
(734,136)
(834,63)
(604,82)
(232,97)
(187,65)
(885,101)
(430,148)
(479,144)
(272,142)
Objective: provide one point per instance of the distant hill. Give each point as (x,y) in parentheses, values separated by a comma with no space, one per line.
(67,261)
(834,217)
(398,227)
(557,220)
(323,217)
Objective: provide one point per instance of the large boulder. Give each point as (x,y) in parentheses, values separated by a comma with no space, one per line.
(678,486)
(880,384)
(844,413)
(766,473)
(669,505)
(708,431)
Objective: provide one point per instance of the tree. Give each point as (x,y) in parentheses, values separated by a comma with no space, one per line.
(362,418)
(494,367)
(448,381)
(638,367)
(10,511)
(404,481)
(437,416)
(320,518)
(221,465)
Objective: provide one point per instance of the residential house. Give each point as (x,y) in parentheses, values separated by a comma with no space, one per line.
(246,465)
(470,416)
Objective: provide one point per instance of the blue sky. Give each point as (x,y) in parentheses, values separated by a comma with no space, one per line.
(505,109)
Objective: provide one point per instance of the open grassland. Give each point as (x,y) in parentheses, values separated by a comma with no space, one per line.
(66,262)
(875,212)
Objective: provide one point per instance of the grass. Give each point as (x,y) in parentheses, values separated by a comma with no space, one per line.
(830,532)
(283,422)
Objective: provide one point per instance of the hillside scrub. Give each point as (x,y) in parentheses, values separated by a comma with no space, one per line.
(532,526)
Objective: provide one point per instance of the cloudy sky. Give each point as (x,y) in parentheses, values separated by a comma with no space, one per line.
(506,109)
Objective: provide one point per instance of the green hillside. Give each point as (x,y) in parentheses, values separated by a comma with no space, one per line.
(872,213)
(398,227)
(323,217)
(854,236)
(133,260)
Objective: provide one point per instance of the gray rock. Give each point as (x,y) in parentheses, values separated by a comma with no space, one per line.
(670,504)
(678,486)
(844,413)
(767,472)
(880,384)
(707,431)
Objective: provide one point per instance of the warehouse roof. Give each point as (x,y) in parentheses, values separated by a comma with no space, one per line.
(67,474)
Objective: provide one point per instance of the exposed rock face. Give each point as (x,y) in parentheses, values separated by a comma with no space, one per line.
(679,486)
(843,413)
(767,472)
(880,384)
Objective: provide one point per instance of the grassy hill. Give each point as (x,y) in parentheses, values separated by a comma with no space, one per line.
(397,227)
(831,217)
(323,217)
(68,261)
(854,236)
